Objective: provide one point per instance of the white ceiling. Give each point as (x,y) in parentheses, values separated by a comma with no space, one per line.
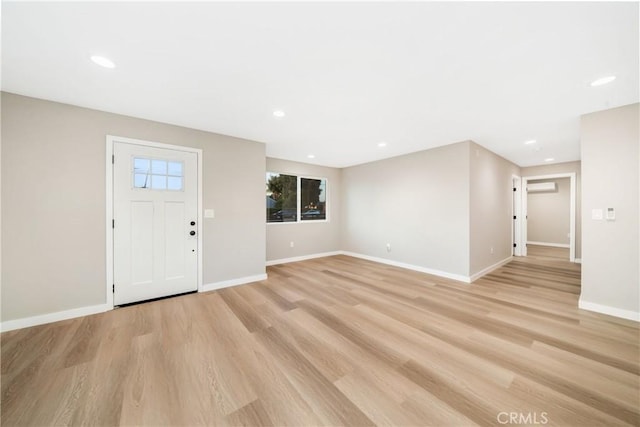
(347,75)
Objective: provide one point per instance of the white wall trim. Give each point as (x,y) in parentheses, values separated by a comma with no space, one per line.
(25,322)
(233,282)
(489,269)
(611,311)
(461,278)
(110,140)
(553,245)
(108,222)
(10,325)
(302,258)
(458,277)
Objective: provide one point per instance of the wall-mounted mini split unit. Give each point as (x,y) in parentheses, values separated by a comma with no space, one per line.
(539,187)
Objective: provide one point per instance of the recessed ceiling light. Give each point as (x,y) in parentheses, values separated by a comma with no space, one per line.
(103,62)
(529,142)
(278,114)
(603,81)
(382,144)
(550,159)
(311,156)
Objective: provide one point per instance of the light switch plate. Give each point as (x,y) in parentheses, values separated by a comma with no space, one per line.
(209,213)
(596,214)
(611,214)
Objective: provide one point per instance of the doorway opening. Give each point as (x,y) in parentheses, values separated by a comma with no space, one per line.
(548,221)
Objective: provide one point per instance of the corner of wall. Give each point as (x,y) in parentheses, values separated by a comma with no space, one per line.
(490,216)
(611,248)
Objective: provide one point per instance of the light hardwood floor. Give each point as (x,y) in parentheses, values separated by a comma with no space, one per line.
(336,341)
(547,252)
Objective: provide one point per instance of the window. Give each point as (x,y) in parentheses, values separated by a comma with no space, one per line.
(292,198)
(282,198)
(313,199)
(157,174)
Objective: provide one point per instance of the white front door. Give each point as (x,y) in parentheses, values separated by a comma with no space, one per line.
(155,229)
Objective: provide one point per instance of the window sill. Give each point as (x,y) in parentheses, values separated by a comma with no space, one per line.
(318,221)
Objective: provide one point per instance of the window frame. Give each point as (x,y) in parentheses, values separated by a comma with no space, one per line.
(150,174)
(299,219)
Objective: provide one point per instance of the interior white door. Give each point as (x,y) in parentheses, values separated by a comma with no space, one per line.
(515,224)
(155,230)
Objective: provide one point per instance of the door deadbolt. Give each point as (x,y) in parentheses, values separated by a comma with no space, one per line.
(192,233)
(193,223)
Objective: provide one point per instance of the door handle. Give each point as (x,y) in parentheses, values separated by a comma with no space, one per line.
(192,223)
(192,233)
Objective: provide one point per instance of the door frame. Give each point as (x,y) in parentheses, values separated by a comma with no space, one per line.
(110,140)
(572,210)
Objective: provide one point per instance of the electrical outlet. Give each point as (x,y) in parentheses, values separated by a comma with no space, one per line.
(491,249)
(388,247)
(290,244)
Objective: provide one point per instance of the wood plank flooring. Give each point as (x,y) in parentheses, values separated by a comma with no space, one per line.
(547,252)
(336,341)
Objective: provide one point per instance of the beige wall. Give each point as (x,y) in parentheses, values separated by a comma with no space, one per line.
(560,168)
(441,209)
(491,201)
(309,237)
(548,213)
(610,178)
(53,203)
(417,202)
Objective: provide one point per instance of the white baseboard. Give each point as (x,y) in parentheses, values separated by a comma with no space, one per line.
(458,277)
(10,325)
(489,269)
(578,261)
(553,245)
(233,282)
(611,311)
(25,322)
(302,258)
